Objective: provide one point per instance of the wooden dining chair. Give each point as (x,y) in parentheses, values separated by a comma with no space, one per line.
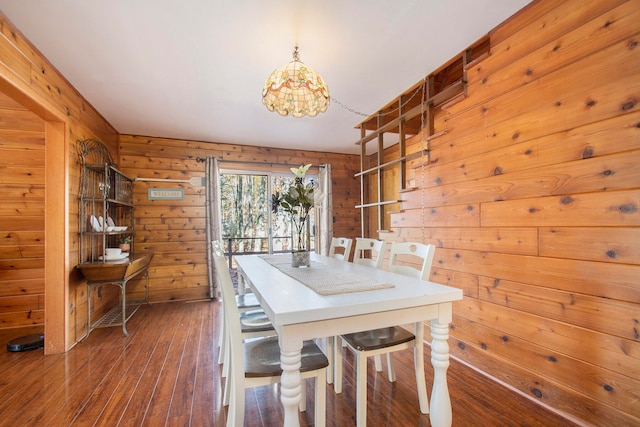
(256,362)
(369,252)
(404,257)
(343,246)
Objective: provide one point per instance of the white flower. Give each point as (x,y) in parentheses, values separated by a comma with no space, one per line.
(301,171)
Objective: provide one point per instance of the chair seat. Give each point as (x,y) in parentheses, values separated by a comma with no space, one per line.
(263,358)
(255,321)
(247,301)
(378,338)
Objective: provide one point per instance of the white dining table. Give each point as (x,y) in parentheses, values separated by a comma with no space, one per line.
(299,313)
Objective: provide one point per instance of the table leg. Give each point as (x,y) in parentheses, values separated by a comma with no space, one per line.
(290,385)
(242,285)
(441,415)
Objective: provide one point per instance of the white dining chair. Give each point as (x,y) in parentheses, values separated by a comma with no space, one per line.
(245,303)
(343,246)
(256,362)
(403,259)
(253,320)
(369,252)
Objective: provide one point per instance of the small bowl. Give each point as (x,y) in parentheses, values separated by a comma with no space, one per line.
(110,228)
(113,252)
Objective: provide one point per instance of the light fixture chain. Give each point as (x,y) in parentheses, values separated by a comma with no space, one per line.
(422,140)
(395,110)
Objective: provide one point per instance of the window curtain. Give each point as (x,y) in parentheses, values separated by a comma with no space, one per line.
(213,220)
(324,210)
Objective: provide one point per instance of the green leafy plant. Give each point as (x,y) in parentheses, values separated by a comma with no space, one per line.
(125,239)
(297,201)
(299,198)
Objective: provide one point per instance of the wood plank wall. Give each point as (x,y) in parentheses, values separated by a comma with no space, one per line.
(174,230)
(22,181)
(35,83)
(532,198)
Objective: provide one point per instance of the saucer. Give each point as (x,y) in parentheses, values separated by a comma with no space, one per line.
(95,224)
(123,255)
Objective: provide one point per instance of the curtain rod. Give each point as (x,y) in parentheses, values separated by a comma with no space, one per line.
(203,159)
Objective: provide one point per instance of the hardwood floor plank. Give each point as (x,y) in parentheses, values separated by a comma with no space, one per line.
(129,380)
(206,407)
(166,373)
(164,390)
(139,404)
(184,388)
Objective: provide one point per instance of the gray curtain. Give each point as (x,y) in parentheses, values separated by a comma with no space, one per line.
(214,223)
(324,210)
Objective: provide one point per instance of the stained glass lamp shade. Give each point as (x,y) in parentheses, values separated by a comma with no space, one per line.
(295,89)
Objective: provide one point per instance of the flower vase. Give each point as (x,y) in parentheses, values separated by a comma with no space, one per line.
(300,241)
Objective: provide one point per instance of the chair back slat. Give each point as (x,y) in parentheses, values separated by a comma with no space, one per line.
(404,258)
(343,244)
(369,252)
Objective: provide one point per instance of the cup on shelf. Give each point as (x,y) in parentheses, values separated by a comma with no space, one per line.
(113,252)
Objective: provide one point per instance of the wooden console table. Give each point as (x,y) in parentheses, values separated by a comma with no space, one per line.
(116,273)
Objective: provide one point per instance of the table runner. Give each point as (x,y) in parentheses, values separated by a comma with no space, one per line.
(321,278)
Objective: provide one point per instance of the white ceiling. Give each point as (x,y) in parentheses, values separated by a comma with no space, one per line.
(194,69)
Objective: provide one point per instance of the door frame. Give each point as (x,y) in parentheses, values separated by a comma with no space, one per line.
(56,252)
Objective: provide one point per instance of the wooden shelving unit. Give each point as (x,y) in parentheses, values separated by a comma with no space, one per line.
(409,114)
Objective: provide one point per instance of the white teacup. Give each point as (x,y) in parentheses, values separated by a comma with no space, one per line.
(113,252)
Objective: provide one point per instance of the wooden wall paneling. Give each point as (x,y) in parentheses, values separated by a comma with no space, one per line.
(23,284)
(605,351)
(508,240)
(610,28)
(599,314)
(583,176)
(572,106)
(17,319)
(538,24)
(29,78)
(594,209)
(51,85)
(440,216)
(584,277)
(11,56)
(541,373)
(614,388)
(573,144)
(466,281)
(22,216)
(605,244)
(175,230)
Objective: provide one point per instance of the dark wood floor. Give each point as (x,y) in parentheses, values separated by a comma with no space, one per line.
(166,373)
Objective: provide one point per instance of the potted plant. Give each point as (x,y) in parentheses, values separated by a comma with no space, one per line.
(297,202)
(125,243)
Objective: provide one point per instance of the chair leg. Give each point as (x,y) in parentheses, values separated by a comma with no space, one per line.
(227,390)
(225,358)
(331,342)
(390,369)
(320,419)
(337,365)
(378,362)
(418,361)
(361,389)
(222,338)
(235,416)
(302,405)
